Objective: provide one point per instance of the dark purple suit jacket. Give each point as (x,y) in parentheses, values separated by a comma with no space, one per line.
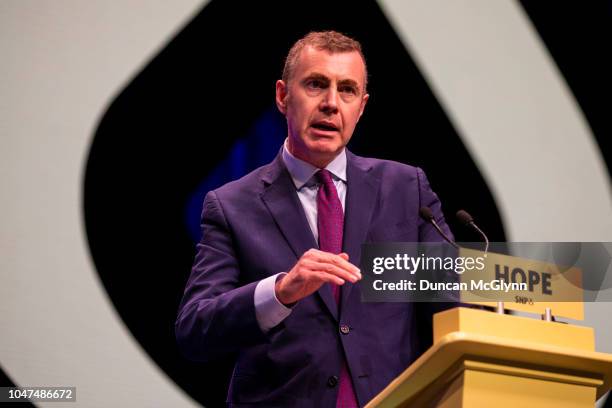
(256,227)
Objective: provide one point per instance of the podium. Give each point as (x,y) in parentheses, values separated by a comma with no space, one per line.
(485,359)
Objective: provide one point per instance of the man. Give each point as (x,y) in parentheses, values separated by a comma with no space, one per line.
(275,276)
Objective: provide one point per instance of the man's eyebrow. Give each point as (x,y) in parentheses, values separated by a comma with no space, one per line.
(316,75)
(349,82)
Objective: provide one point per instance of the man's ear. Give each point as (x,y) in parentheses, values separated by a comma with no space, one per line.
(281,96)
(364,100)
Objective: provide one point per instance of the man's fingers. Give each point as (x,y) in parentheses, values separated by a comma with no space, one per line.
(340,260)
(327,277)
(333,269)
(310,266)
(345,264)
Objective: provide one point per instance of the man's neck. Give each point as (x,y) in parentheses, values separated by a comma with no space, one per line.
(316,160)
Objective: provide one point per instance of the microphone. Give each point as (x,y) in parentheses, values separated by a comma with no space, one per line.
(427,215)
(466,219)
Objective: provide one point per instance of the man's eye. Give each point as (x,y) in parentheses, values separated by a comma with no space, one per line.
(314,84)
(348,89)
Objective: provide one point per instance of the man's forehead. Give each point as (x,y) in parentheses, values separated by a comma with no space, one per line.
(344,65)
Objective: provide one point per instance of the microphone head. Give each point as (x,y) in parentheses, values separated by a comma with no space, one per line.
(426,213)
(464,217)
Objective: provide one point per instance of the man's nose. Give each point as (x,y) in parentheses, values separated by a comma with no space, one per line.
(330,101)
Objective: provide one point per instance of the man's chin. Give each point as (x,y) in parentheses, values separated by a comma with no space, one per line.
(326,151)
(324,145)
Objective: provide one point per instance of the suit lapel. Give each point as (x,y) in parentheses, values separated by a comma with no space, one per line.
(282,201)
(361,195)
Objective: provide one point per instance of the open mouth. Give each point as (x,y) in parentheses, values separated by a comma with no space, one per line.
(325,126)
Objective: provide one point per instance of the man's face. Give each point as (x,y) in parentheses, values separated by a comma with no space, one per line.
(322,102)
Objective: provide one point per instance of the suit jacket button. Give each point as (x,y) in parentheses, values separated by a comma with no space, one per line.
(332,381)
(344,329)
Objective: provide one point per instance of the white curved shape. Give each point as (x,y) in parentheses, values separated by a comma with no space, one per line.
(514,112)
(62,64)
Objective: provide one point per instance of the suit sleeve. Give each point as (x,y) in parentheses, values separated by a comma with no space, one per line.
(217,313)
(427,198)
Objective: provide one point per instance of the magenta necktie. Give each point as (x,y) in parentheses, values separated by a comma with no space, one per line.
(330,222)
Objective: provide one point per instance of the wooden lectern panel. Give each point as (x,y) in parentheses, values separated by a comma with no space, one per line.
(482,359)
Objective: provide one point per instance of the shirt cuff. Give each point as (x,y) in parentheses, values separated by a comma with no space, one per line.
(269,311)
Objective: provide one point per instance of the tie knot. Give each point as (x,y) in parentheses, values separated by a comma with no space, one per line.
(324,177)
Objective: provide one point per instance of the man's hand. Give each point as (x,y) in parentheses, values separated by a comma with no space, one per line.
(311,271)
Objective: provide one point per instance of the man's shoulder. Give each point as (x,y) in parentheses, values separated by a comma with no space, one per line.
(385,169)
(250,184)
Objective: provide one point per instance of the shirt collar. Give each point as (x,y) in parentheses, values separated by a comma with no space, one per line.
(301,172)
